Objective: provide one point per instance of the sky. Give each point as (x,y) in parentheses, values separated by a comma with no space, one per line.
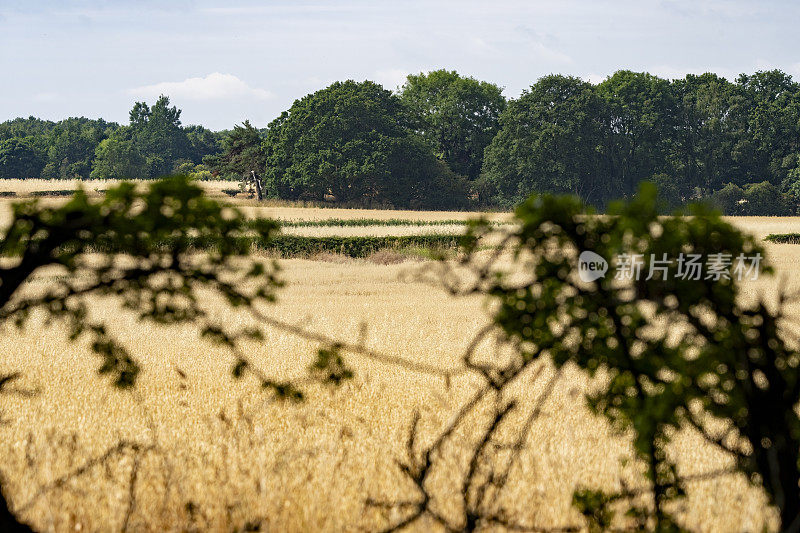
(222,62)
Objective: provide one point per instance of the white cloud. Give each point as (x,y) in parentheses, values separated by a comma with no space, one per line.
(215,86)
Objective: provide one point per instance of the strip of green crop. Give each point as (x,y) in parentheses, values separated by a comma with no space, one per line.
(361,222)
(288,246)
(299,246)
(783,238)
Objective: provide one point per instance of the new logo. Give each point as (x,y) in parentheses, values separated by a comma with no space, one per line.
(591,266)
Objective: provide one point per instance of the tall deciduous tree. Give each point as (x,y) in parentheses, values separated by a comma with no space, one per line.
(242,152)
(766,148)
(708,128)
(640,118)
(335,142)
(347,141)
(21,157)
(459,116)
(550,140)
(117,158)
(157,134)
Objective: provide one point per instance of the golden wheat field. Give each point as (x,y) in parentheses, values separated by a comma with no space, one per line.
(203,452)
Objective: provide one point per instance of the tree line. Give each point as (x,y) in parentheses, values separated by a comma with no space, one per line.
(448,141)
(155,143)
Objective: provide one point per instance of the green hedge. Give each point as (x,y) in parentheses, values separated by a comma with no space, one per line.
(299,246)
(361,222)
(783,238)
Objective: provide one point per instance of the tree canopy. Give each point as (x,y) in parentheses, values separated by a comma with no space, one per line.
(21,157)
(550,139)
(152,145)
(157,134)
(458,115)
(351,142)
(71,147)
(241,152)
(675,350)
(117,158)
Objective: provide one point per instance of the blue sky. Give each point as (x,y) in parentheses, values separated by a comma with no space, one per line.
(224,61)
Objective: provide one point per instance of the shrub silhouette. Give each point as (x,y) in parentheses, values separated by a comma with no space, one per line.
(675,353)
(150,262)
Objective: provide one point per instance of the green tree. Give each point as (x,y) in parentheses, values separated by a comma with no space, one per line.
(21,157)
(117,158)
(669,193)
(202,143)
(672,353)
(792,182)
(458,115)
(157,135)
(347,141)
(550,141)
(158,231)
(26,127)
(418,179)
(640,119)
(771,101)
(334,142)
(71,147)
(730,199)
(718,360)
(709,125)
(242,152)
(766,199)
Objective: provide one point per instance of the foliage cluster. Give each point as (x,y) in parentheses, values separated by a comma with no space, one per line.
(727,370)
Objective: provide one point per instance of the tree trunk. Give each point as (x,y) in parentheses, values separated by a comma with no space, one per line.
(257,183)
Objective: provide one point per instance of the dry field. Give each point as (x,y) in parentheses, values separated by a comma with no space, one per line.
(28,186)
(220,455)
(24,188)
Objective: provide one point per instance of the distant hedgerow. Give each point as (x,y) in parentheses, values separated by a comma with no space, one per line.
(363,222)
(299,246)
(783,238)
